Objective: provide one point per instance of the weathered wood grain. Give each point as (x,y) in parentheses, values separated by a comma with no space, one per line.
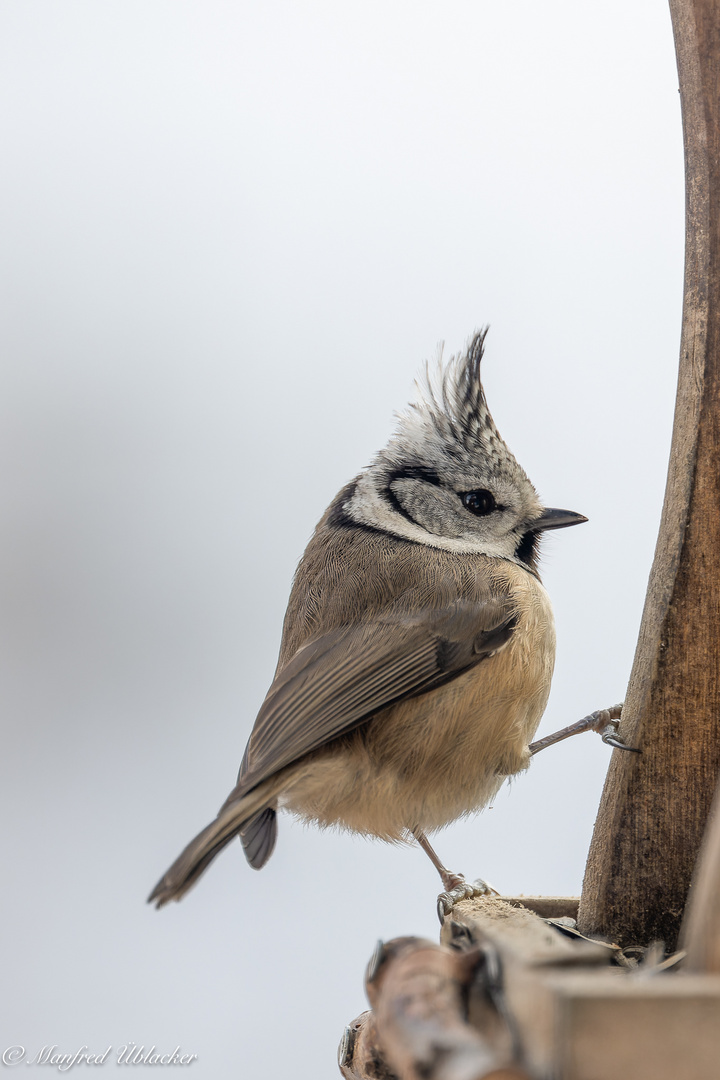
(547,907)
(654,807)
(510,997)
(579,1017)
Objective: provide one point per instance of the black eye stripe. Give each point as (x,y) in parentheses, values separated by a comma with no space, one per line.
(397,505)
(415,472)
(411,472)
(480,502)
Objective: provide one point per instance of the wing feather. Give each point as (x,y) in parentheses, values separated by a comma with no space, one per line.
(342,678)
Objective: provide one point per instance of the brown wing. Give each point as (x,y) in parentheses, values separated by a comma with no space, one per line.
(340,679)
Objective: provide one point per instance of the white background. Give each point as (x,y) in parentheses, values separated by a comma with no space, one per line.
(231,233)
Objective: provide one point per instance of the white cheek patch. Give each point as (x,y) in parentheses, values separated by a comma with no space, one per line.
(437,512)
(367,507)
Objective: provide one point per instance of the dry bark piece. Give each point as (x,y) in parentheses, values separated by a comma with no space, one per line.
(422,996)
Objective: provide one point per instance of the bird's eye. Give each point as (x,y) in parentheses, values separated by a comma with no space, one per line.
(479,503)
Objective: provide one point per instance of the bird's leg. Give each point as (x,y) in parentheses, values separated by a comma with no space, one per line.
(455,885)
(449,880)
(604,721)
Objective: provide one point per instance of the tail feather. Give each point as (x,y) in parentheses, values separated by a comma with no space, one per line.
(201,851)
(258,836)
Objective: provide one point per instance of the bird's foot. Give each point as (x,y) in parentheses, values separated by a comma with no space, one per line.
(456,889)
(607,728)
(605,721)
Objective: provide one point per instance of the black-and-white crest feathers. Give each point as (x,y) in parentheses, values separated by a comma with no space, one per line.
(446,478)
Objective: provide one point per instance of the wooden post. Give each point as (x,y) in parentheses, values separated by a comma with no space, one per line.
(654,807)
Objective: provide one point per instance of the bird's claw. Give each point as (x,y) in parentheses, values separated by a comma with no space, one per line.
(465,890)
(609,735)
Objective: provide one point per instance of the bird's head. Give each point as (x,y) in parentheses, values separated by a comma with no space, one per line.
(447,480)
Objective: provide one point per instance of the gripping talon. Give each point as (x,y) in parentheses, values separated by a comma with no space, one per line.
(466,890)
(610,737)
(444,906)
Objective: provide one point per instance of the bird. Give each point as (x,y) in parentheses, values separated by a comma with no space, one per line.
(417,648)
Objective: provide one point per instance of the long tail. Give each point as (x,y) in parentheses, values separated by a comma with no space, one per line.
(233,820)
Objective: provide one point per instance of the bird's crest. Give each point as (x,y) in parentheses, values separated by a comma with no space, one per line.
(449,414)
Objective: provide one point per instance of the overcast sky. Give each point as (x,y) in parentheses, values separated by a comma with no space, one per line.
(231,234)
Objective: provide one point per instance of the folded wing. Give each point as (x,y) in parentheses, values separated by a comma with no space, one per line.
(339,680)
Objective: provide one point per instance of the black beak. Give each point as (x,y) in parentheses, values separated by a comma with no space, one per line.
(556,519)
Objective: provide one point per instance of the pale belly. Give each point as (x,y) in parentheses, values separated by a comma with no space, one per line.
(431,759)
